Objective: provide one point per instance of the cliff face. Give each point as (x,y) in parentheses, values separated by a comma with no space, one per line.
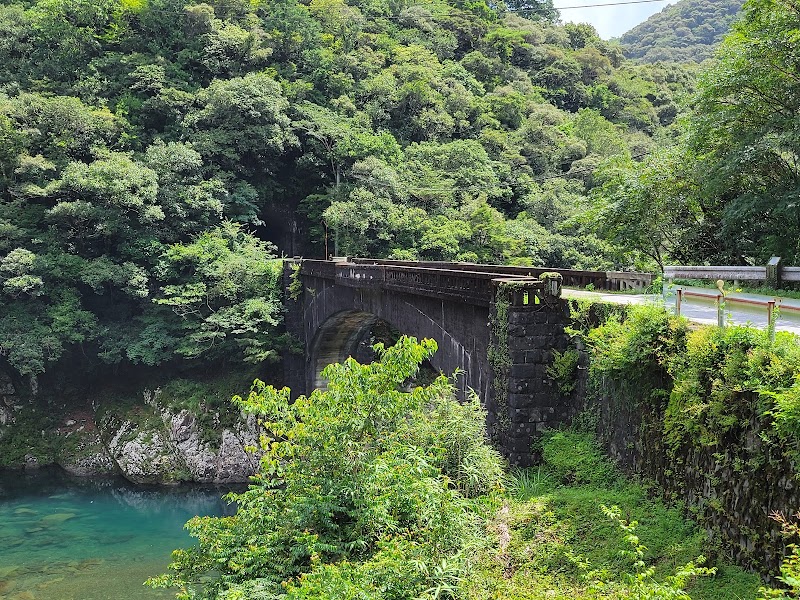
(147,440)
(172,448)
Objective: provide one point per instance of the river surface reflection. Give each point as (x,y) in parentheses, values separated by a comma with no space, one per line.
(63,538)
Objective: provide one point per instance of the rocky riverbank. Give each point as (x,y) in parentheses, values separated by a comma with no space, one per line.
(148,440)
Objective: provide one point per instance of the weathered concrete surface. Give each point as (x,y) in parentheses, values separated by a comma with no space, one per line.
(336,317)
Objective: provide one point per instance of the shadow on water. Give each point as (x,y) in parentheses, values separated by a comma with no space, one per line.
(65,538)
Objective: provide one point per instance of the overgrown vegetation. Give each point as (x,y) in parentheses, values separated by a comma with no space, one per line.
(551,538)
(499,358)
(718,405)
(628,346)
(369,491)
(714,374)
(27,438)
(790,568)
(563,370)
(362,491)
(575,458)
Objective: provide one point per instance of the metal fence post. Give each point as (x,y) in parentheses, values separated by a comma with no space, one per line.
(720,317)
(771,319)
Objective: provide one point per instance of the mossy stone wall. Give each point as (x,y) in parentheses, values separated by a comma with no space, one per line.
(733,474)
(527,400)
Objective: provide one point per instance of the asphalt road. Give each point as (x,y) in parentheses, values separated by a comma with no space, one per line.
(698,305)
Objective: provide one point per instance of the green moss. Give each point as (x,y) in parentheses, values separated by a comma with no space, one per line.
(295,288)
(32,434)
(208,400)
(500,359)
(574,457)
(78,445)
(143,418)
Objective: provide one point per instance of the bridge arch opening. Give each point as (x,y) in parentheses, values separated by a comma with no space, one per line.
(350,333)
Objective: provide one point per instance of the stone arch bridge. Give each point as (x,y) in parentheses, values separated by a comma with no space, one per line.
(496,325)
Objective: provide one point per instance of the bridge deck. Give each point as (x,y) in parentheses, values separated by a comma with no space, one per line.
(470,282)
(467,285)
(601,280)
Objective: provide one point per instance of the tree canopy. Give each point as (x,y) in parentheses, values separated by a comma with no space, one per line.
(689,30)
(151,153)
(726,192)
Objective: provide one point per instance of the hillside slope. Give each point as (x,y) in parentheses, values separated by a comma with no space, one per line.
(686,31)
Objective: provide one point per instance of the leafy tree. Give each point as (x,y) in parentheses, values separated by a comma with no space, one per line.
(646,207)
(340,141)
(241,124)
(581,34)
(361,491)
(225,290)
(600,136)
(744,134)
(535,10)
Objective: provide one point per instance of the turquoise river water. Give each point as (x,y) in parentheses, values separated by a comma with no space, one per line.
(63,538)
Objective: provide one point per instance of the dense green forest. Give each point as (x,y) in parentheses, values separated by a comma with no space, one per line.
(155,153)
(727,191)
(156,157)
(689,30)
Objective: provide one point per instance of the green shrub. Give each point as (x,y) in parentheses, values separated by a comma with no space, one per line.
(719,377)
(575,458)
(629,347)
(562,370)
(790,567)
(456,433)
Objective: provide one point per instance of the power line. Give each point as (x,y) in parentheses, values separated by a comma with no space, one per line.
(151,9)
(608,4)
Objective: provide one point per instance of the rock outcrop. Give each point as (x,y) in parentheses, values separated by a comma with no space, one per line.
(146,444)
(227,463)
(87,456)
(172,448)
